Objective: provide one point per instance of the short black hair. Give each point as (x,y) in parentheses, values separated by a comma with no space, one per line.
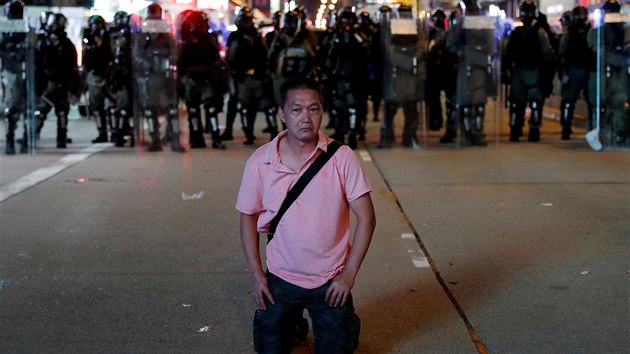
(300,83)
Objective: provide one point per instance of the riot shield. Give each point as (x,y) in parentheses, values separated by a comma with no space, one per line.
(610,89)
(403,43)
(17,53)
(475,118)
(155,82)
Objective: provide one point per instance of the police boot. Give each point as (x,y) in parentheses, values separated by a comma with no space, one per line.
(566,116)
(213,124)
(101,125)
(11,126)
(197,140)
(449,136)
(62,129)
(172,128)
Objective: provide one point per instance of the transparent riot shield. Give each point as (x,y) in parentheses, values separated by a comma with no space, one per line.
(403,45)
(610,89)
(17,53)
(474,111)
(155,83)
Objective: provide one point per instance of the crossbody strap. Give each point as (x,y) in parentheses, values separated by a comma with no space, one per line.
(301,183)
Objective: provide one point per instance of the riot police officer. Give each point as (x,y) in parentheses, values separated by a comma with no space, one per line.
(97,57)
(577,62)
(119,79)
(441,69)
(58,60)
(202,74)
(247,58)
(290,55)
(527,50)
(347,67)
(13,51)
(154,55)
(403,77)
(375,64)
(614,48)
(473,43)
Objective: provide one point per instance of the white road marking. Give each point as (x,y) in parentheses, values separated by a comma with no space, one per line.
(45,173)
(420,262)
(407,236)
(365,156)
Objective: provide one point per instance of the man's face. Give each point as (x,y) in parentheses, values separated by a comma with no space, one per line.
(302,114)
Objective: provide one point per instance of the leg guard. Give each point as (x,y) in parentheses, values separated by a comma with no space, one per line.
(213,127)
(566,117)
(172,116)
(248,117)
(352,127)
(194,126)
(154,130)
(11,117)
(517,120)
(478,134)
(535,121)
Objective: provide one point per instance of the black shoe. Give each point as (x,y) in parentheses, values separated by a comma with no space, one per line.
(61,144)
(10,148)
(218,145)
(534,135)
(566,134)
(449,136)
(248,141)
(267,130)
(101,138)
(227,136)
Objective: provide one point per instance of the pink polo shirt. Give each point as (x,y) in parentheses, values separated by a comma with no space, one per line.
(311,243)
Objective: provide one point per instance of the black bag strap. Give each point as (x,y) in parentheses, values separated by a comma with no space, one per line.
(301,183)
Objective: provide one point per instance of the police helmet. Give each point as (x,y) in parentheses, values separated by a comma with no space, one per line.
(96,22)
(528,12)
(56,23)
(121,19)
(404,11)
(195,23)
(439,18)
(14,9)
(579,16)
(291,22)
(470,6)
(364,18)
(245,18)
(611,6)
(154,12)
(346,18)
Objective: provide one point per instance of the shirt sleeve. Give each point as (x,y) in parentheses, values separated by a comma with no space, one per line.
(356,182)
(249,199)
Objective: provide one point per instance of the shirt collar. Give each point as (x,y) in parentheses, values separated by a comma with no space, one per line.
(272,155)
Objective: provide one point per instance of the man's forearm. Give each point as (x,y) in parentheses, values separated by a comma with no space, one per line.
(250,243)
